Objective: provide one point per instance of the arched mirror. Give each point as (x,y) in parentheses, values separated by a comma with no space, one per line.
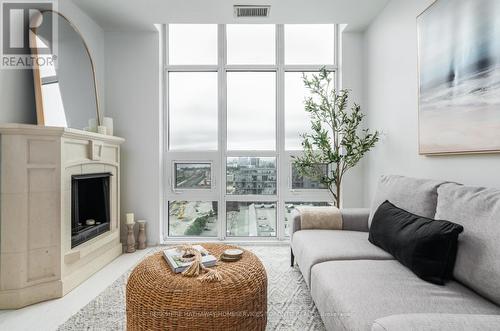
(65,85)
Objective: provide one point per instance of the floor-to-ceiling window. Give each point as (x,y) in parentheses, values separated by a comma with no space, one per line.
(233,117)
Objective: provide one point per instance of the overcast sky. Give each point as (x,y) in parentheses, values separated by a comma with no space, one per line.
(251,96)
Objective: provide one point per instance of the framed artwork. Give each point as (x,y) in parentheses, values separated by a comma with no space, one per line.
(459,77)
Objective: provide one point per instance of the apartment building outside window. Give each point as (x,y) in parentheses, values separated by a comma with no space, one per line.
(233,118)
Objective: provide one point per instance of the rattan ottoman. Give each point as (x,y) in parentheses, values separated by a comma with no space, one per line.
(159,299)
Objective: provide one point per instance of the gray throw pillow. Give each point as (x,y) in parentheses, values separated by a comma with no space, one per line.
(477,209)
(418,196)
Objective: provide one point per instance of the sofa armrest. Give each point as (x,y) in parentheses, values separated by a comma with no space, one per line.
(437,322)
(295,221)
(353,219)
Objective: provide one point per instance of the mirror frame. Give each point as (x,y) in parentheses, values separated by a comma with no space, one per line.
(40,113)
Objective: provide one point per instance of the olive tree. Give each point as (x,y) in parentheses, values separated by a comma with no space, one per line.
(336,138)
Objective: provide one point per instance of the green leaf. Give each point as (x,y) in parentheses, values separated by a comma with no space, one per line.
(336,138)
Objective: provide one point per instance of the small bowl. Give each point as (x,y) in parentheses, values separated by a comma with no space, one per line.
(233,253)
(229,258)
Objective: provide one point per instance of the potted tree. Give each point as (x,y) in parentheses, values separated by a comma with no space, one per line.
(337,139)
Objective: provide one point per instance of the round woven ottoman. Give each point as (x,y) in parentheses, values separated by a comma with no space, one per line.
(159,299)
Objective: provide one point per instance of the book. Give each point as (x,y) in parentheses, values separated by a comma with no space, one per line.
(173,258)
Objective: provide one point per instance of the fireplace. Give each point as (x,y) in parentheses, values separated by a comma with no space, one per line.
(47,173)
(90,204)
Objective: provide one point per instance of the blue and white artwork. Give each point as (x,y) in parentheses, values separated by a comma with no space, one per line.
(459,77)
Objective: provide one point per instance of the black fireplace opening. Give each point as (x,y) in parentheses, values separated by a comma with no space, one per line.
(90,203)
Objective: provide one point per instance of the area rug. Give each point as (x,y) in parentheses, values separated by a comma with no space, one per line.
(290,306)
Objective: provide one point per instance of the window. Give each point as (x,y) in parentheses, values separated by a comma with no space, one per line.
(251,175)
(251,111)
(192,218)
(193,176)
(251,44)
(309,43)
(234,112)
(192,44)
(307,183)
(251,219)
(193,110)
(296,119)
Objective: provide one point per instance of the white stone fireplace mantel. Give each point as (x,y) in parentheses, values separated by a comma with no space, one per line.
(37,163)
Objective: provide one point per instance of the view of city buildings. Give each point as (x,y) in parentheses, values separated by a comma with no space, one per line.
(192,176)
(244,176)
(304,182)
(251,175)
(244,219)
(251,219)
(192,218)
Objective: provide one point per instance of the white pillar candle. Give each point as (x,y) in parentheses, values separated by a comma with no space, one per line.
(93,124)
(130,218)
(101,129)
(108,123)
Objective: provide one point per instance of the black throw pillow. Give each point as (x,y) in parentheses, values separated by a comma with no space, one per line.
(427,247)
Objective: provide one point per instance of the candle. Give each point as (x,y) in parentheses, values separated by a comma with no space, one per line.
(130,218)
(108,123)
(93,124)
(101,129)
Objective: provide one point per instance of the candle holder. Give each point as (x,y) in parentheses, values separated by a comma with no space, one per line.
(141,238)
(130,238)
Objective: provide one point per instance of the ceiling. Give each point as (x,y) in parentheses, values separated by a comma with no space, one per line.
(142,14)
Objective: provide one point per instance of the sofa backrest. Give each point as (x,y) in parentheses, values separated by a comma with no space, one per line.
(418,196)
(478,257)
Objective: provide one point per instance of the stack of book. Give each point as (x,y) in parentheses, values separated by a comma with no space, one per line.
(173,258)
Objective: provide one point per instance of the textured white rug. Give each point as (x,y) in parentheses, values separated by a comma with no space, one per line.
(290,306)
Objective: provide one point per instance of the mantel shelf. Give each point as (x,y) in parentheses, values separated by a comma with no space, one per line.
(30,129)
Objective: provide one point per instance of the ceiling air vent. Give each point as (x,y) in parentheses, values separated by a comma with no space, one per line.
(251,11)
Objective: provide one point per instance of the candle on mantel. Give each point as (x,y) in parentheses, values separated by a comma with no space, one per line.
(130,218)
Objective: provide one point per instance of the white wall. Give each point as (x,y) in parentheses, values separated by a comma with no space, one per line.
(17,96)
(132,99)
(391,104)
(351,78)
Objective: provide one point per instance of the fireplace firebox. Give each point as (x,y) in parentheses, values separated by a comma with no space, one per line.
(90,204)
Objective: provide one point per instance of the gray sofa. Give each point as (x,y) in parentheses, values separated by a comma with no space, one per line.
(358,286)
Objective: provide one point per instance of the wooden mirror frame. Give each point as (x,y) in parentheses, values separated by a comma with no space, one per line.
(40,114)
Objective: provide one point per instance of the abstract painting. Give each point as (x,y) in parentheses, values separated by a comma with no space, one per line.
(459,77)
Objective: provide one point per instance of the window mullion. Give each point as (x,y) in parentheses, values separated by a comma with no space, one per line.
(280,130)
(253,67)
(164,135)
(192,68)
(222,47)
(308,67)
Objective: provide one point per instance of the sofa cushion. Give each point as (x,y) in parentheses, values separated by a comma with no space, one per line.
(437,322)
(351,295)
(478,256)
(426,246)
(315,246)
(418,196)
